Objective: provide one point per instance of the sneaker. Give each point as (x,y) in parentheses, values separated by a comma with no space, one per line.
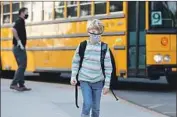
(14,87)
(24,88)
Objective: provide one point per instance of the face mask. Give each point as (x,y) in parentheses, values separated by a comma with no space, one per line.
(94,38)
(26,16)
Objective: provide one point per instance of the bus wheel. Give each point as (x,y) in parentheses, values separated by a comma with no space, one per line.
(48,74)
(7,74)
(172,80)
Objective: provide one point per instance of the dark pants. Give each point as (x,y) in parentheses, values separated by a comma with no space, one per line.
(21,58)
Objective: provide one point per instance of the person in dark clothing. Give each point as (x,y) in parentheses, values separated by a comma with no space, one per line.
(19,51)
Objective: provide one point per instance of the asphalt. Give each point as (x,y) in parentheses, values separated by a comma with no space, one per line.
(154,95)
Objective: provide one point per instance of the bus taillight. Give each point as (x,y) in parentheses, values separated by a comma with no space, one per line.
(164,41)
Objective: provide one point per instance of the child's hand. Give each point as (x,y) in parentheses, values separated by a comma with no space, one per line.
(73,82)
(105,91)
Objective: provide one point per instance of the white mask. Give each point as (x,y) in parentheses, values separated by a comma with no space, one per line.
(95,38)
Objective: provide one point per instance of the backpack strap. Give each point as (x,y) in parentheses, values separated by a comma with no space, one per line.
(113,74)
(103,54)
(82,48)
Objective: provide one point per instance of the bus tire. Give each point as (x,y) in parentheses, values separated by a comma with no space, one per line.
(7,74)
(48,74)
(1,73)
(0,68)
(114,83)
(172,80)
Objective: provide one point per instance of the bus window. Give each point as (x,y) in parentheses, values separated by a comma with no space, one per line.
(59,9)
(71,9)
(100,8)
(1,13)
(37,11)
(48,7)
(85,8)
(15,8)
(116,6)
(6,12)
(163,14)
(28,5)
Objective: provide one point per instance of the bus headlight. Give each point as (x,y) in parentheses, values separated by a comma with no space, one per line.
(158,58)
(166,58)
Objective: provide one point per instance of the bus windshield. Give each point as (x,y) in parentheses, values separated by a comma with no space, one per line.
(163,15)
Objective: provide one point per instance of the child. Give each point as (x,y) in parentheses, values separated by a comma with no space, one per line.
(90,75)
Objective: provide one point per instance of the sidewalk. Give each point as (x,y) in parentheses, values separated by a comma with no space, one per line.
(57,100)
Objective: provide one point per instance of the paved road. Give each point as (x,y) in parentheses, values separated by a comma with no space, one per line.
(154,95)
(57,100)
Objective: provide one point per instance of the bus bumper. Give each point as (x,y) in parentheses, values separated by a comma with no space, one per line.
(161,70)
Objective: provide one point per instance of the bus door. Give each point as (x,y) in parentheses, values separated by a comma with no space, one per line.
(136,39)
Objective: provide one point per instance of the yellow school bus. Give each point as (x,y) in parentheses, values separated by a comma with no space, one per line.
(141,35)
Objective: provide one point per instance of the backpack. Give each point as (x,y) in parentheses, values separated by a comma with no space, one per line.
(113,81)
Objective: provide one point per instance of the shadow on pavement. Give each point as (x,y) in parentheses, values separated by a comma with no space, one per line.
(143,85)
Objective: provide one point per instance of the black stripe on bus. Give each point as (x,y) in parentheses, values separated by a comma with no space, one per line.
(162,31)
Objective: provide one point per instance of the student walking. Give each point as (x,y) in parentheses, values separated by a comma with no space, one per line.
(93,79)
